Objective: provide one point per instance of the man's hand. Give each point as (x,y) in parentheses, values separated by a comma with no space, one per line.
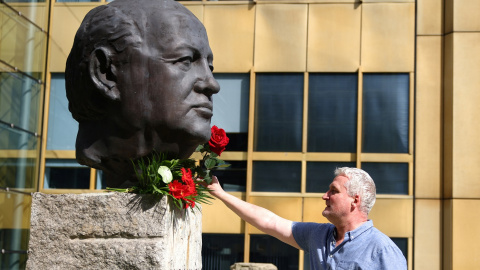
(215,188)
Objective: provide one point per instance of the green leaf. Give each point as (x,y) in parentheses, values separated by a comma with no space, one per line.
(210,163)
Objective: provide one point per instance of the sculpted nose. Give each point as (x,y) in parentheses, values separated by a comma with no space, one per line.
(207,84)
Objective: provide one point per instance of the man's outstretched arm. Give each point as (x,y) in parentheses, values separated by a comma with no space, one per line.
(261,218)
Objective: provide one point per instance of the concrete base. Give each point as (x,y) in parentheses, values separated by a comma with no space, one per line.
(112,231)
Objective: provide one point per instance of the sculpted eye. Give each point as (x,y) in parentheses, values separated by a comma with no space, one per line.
(185,62)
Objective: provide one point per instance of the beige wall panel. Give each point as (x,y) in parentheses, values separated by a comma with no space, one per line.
(334,37)
(197,10)
(388,37)
(66,20)
(428,234)
(281,37)
(285,207)
(429,111)
(217,218)
(465,15)
(312,210)
(466,142)
(466,234)
(430,17)
(230,32)
(15,205)
(394,217)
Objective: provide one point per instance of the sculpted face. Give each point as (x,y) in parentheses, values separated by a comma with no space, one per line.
(167,85)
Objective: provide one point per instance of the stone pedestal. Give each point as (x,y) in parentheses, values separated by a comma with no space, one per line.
(253,266)
(112,231)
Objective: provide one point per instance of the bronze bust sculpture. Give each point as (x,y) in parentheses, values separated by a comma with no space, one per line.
(139,80)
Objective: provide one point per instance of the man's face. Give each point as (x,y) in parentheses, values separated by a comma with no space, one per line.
(337,200)
(172,84)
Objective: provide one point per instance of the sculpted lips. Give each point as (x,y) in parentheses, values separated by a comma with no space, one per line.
(204,109)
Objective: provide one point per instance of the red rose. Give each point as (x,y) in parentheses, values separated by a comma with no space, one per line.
(218,140)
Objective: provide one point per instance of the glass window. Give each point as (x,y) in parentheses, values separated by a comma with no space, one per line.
(14,138)
(62,128)
(385,113)
(276,176)
(220,251)
(268,249)
(389,178)
(14,245)
(19,101)
(278,112)
(233,178)
(320,174)
(332,112)
(402,244)
(17,172)
(230,108)
(66,174)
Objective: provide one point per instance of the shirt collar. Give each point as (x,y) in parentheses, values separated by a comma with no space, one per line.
(358,231)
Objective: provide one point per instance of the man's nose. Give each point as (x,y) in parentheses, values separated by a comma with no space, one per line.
(325,196)
(206,83)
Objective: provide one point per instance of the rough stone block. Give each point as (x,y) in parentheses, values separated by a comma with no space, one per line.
(112,231)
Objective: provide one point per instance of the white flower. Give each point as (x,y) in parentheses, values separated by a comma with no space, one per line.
(166,174)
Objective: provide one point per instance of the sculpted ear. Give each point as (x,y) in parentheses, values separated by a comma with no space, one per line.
(102,73)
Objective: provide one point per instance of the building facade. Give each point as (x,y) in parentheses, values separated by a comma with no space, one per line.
(306,86)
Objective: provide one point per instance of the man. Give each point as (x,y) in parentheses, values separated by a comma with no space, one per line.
(350,242)
(139,80)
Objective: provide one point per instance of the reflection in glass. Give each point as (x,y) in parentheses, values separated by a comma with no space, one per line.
(267,249)
(62,128)
(19,100)
(23,44)
(276,176)
(14,239)
(389,178)
(332,112)
(278,112)
(230,108)
(17,172)
(11,138)
(233,178)
(385,113)
(219,251)
(66,174)
(320,174)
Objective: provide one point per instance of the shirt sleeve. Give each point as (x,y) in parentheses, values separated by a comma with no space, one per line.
(305,232)
(390,258)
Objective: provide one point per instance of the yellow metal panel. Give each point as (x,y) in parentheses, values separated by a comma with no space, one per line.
(312,210)
(230,32)
(217,218)
(65,21)
(285,207)
(15,212)
(388,37)
(281,37)
(428,234)
(466,95)
(334,37)
(465,15)
(429,103)
(394,217)
(430,17)
(466,234)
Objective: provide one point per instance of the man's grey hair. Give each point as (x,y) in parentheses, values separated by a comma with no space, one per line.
(360,183)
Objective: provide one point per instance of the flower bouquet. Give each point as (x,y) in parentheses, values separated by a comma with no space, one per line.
(180,178)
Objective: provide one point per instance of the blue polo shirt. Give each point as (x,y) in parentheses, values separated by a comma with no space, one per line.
(363,248)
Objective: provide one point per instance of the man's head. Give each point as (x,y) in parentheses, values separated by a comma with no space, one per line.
(352,189)
(143,66)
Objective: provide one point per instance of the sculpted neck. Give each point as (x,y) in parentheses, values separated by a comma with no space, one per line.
(110,149)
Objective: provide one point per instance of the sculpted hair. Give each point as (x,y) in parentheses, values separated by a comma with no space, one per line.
(105,26)
(360,183)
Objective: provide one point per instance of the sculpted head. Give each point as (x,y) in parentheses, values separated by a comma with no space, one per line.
(139,79)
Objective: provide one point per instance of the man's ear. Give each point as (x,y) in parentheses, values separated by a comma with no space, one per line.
(103,74)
